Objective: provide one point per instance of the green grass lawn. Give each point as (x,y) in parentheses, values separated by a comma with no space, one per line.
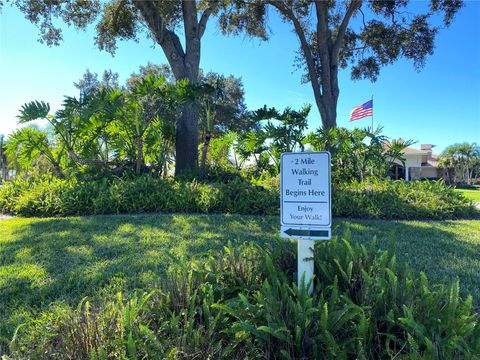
(65,259)
(472,194)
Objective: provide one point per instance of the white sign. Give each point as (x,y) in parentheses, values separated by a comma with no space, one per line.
(305,209)
(305,206)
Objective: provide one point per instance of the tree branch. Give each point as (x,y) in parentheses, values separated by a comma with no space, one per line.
(354,5)
(202,25)
(172,40)
(192,39)
(306,49)
(339,42)
(363,18)
(167,39)
(154,21)
(117,10)
(324,40)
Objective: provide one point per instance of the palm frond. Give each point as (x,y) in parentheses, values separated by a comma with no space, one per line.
(32,111)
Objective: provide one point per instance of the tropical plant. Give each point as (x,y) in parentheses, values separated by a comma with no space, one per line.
(147,108)
(240,303)
(275,133)
(116,130)
(461,163)
(211,100)
(220,150)
(79,125)
(29,148)
(358,153)
(225,192)
(395,148)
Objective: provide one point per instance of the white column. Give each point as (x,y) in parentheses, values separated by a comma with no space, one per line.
(407,177)
(305,267)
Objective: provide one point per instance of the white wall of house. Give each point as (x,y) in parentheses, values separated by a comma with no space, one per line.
(412,161)
(414,170)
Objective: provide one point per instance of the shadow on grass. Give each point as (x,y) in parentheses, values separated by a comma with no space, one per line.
(81,253)
(66,259)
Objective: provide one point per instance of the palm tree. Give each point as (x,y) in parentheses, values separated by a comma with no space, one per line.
(459,162)
(394,150)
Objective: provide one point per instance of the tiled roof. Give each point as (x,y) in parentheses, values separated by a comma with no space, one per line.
(412,151)
(432,159)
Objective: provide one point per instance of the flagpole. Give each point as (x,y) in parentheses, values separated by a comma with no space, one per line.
(372,113)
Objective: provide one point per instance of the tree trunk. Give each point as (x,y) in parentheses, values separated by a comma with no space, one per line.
(186,141)
(185,64)
(139,162)
(329,115)
(206,143)
(58,170)
(164,170)
(325,53)
(3,170)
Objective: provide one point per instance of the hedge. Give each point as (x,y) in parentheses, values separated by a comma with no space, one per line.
(369,199)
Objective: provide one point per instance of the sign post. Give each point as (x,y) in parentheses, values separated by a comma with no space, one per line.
(305,204)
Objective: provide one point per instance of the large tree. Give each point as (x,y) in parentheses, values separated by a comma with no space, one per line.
(126,20)
(361,35)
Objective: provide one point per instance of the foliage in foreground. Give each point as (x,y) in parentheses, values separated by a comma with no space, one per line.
(62,260)
(368,199)
(240,303)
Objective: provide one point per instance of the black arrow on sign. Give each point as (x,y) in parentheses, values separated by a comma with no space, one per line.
(312,233)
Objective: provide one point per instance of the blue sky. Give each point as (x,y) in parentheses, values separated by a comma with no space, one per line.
(439,105)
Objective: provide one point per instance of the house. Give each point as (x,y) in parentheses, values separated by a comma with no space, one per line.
(420,164)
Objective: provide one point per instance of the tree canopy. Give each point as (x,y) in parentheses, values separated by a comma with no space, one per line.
(360,35)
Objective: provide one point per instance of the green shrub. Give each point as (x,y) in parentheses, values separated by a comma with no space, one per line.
(53,197)
(239,304)
(368,199)
(385,199)
(10,192)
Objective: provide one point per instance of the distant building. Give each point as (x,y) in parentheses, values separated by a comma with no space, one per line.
(420,164)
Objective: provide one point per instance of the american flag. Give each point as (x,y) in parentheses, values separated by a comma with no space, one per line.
(361,111)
